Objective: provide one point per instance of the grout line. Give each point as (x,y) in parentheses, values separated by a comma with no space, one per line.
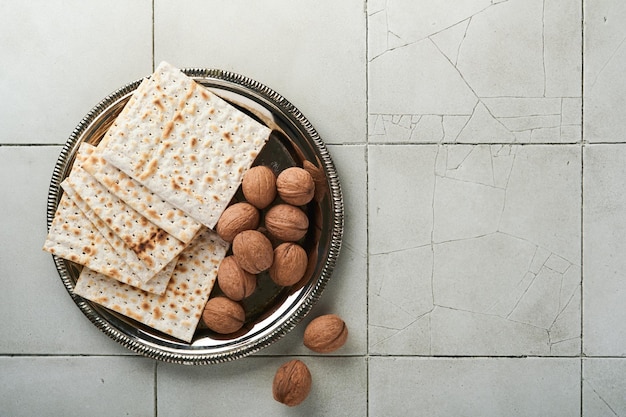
(477,143)
(367,218)
(304,355)
(582,195)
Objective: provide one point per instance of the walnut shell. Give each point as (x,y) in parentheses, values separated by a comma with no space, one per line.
(321,185)
(292,383)
(237,218)
(325,333)
(259,186)
(234,282)
(295,186)
(286,222)
(253,251)
(290,263)
(223,315)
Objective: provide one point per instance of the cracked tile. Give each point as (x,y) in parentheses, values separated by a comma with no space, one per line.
(400,302)
(605,58)
(604,387)
(492,246)
(502,71)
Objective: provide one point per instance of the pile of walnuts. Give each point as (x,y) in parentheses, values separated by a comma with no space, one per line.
(276,251)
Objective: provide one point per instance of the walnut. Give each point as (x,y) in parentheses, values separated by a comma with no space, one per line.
(253,251)
(321,185)
(234,282)
(286,222)
(325,334)
(223,315)
(295,186)
(259,186)
(237,218)
(290,263)
(292,383)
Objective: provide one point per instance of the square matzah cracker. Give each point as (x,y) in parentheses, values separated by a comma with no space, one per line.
(141,277)
(155,247)
(184,143)
(169,218)
(176,312)
(73,237)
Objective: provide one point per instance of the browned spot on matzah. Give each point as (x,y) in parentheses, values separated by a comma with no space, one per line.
(190,91)
(152,167)
(157,102)
(168,129)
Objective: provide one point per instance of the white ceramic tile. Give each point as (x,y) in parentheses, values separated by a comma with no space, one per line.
(244,388)
(474,250)
(604,284)
(60,58)
(76,386)
(38,312)
(313,53)
(604,84)
(345,294)
(474,387)
(480,71)
(603,387)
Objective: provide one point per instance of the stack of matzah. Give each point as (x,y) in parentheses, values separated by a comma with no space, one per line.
(138,209)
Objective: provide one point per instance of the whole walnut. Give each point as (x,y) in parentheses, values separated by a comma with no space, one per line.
(292,383)
(234,282)
(290,263)
(223,315)
(295,186)
(259,186)
(325,333)
(253,251)
(286,222)
(237,218)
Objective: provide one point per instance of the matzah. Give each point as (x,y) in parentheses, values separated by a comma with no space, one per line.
(169,218)
(73,237)
(137,274)
(155,247)
(176,312)
(184,143)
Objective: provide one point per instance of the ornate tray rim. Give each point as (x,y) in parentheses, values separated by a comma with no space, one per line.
(305,301)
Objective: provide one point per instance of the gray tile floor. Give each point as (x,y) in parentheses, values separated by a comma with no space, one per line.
(481,151)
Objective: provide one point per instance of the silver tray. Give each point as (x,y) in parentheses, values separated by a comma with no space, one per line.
(271,311)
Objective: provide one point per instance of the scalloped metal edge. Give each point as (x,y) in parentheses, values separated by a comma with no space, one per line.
(190,358)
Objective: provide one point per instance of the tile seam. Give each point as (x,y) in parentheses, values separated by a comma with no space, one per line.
(367,214)
(582,196)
